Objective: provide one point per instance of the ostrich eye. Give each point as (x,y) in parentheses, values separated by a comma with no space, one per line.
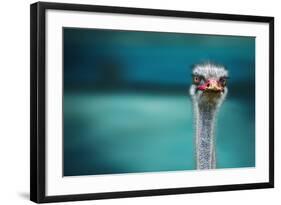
(222,81)
(196,79)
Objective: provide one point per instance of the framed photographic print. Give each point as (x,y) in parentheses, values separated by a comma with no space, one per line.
(129,102)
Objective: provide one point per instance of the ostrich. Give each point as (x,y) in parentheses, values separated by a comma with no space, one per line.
(207,91)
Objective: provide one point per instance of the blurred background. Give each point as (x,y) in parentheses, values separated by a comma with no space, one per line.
(127,107)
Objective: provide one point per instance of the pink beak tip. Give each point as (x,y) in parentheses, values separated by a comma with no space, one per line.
(202,87)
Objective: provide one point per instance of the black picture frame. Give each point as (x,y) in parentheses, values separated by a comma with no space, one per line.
(38,101)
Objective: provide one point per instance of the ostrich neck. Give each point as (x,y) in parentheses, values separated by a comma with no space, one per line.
(205,140)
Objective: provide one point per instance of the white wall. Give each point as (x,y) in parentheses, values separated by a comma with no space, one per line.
(14,101)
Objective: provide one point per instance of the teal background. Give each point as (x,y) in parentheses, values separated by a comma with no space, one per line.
(127,107)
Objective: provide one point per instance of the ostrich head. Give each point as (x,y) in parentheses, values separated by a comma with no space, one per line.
(208,91)
(209,84)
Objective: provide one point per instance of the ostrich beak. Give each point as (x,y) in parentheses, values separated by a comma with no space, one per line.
(211,85)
